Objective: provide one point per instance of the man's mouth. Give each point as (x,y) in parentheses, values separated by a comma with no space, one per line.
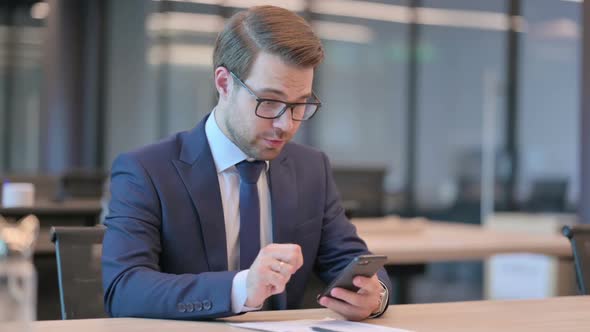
(274,142)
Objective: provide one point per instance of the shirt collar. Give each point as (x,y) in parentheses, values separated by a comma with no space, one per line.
(225,153)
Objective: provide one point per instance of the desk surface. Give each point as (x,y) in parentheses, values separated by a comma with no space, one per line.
(444,241)
(66,207)
(554,314)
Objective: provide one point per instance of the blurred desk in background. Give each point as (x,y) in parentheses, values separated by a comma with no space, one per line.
(517,276)
(421,241)
(411,243)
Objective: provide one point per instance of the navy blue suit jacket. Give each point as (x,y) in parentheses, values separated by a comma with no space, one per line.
(164,251)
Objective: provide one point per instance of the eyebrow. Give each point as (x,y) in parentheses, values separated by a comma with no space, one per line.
(281,93)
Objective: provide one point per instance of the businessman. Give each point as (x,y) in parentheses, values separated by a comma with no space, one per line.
(230,216)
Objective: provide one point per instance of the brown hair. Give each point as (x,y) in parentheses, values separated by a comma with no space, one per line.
(270,29)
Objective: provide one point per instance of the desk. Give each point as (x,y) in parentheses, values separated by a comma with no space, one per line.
(553,314)
(444,241)
(409,246)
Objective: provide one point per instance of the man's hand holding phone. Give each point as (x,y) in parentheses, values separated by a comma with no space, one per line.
(355,305)
(356,293)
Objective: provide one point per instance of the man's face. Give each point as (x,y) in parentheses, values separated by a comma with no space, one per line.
(270,77)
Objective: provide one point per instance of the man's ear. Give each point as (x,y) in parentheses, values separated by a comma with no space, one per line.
(223,82)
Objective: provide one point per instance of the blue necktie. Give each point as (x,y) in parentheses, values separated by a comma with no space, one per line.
(249,211)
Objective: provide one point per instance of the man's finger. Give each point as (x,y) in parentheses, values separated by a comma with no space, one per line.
(276,278)
(289,253)
(347,310)
(283,268)
(294,258)
(372,285)
(350,297)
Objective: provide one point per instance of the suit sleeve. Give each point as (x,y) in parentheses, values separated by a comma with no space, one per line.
(340,242)
(132,279)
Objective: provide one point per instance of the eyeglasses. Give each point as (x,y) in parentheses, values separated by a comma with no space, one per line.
(272,108)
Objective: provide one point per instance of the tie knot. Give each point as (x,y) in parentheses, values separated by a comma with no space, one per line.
(250,171)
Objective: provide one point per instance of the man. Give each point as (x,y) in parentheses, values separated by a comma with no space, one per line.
(230,217)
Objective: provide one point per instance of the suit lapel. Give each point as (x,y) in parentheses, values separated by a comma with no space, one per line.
(283,192)
(197,170)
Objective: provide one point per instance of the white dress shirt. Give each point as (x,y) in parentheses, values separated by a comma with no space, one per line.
(226,155)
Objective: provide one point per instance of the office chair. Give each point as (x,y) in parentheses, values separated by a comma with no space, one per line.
(81,184)
(548,195)
(361,190)
(78,251)
(579,236)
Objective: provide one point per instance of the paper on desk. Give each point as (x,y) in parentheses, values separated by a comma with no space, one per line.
(306,325)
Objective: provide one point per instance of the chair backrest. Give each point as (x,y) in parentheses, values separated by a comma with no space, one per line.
(579,236)
(548,195)
(361,190)
(78,251)
(81,184)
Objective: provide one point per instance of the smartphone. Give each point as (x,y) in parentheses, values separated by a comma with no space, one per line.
(364,265)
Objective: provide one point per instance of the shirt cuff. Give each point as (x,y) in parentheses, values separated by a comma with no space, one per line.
(239,293)
(384,302)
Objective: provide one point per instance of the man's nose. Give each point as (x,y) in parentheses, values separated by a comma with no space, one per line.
(285,121)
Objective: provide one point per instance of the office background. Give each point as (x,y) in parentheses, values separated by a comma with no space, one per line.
(421,89)
(449,109)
